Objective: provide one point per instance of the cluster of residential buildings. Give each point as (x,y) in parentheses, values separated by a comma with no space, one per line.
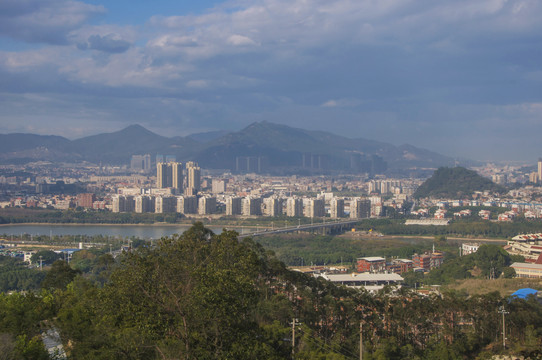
(374,273)
(447,209)
(527,245)
(530,247)
(207,204)
(419,262)
(186,188)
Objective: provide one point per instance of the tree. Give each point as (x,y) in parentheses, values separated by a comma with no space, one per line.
(491,259)
(83,260)
(59,276)
(190,297)
(47,257)
(508,272)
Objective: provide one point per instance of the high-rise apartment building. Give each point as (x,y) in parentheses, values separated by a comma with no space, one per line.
(161,175)
(177,176)
(249,164)
(315,208)
(193,176)
(252,206)
(165,204)
(123,203)
(169,175)
(540,169)
(141,162)
(144,204)
(187,204)
(165,158)
(336,207)
(234,206)
(219,186)
(272,206)
(206,205)
(294,207)
(360,209)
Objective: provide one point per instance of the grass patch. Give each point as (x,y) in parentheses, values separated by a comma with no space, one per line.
(504,286)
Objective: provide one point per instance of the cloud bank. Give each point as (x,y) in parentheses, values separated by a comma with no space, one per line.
(457,77)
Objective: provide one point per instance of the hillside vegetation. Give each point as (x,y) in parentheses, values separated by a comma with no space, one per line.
(204,296)
(454,183)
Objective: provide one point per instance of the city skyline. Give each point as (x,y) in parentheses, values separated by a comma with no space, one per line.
(457,78)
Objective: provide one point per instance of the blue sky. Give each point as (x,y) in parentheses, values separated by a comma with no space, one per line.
(463,78)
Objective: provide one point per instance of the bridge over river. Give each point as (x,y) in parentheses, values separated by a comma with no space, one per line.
(332,226)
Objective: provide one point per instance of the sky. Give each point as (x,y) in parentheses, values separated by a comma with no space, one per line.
(462,77)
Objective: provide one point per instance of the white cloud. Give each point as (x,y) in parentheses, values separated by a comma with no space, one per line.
(251,59)
(342,103)
(240,40)
(44,21)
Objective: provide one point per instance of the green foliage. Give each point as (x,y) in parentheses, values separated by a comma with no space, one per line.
(14,275)
(456,269)
(59,276)
(192,297)
(453,183)
(508,272)
(296,250)
(30,349)
(206,296)
(413,279)
(85,260)
(470,228)
(86,216)
(491,259)
(20,318)
(47,257)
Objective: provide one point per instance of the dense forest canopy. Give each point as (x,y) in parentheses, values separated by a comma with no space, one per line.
(205,296)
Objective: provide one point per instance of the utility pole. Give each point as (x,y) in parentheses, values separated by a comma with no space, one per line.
(503,312)
(294,323)
(360,340)
(41,263)
(293,337)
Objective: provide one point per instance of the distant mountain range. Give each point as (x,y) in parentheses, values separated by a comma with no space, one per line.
(276,148)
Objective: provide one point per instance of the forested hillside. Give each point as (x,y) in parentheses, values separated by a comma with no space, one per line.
(206,296)
(454,183)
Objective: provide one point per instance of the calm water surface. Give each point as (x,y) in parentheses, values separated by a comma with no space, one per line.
(140,231)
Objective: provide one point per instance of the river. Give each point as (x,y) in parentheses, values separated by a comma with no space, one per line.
(139,231)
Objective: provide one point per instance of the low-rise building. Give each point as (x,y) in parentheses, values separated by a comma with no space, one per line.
(527,270)
(467,249)
(428,261)
(372,264)
(371,282)
(400,266)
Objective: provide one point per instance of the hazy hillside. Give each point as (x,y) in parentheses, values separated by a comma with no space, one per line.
(207,136)
(283,149)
